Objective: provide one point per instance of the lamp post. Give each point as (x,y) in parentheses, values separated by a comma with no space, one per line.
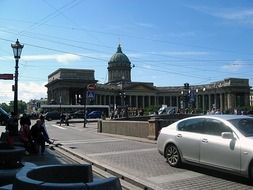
(17,49)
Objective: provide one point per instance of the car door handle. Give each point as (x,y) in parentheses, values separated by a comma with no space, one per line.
(204,140)
(179,135)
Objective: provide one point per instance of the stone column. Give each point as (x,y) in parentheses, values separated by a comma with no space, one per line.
(246,99)
(231,101)
(100,99)
(114,99)
(197,101)
(203,103)
(209,102)
(221,102)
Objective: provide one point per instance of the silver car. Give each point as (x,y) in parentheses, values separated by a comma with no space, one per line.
(220,141)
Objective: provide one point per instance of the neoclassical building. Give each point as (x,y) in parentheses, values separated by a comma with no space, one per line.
(69,86)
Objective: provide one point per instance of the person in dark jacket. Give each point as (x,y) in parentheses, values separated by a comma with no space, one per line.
(44,130)
(11,128)
(37,137)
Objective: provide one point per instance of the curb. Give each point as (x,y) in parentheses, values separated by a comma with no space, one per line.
(99,167)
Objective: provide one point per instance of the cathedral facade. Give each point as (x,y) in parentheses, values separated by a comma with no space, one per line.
(69,86)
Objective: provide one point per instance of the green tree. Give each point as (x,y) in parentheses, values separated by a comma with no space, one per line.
(22,106)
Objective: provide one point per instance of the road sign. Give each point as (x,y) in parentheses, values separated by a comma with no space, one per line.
(6,76)
(91,87)
(91,94)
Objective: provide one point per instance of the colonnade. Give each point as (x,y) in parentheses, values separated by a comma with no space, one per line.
(204,102)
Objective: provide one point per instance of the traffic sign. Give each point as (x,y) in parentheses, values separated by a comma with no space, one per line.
(91,94)
(91,87)
(6,76)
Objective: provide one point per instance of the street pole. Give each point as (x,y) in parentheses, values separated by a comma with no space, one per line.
(17,49)
(61,115)
(84,106)
(15,109)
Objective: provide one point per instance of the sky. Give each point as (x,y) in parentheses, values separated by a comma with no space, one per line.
(169,42)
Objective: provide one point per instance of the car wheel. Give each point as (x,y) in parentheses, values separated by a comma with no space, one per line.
(251,172)
(172,155)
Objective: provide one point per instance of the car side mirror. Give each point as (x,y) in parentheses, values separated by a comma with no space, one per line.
(227,135)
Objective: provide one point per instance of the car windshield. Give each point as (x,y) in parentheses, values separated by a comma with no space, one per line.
(245,126)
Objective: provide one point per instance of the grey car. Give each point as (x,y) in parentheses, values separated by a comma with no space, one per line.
(219,141)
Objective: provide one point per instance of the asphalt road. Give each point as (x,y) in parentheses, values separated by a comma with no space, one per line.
(138,160)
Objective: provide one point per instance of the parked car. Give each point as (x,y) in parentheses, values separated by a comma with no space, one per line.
(52,115)
(4,116)
(94,115)
(219,141)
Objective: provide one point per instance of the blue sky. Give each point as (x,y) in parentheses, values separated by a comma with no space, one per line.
(169,42)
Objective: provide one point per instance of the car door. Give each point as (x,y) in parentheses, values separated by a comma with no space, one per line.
(188,138)
(217,151)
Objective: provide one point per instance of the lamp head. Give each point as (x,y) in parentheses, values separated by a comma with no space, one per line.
(17,49)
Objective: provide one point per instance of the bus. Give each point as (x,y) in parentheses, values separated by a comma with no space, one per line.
(105,109)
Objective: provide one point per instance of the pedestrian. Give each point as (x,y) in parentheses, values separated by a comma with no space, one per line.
(39,136)
(24,133)
(62,118)
(44,130)
(25,119)
(67,119)
(11,128)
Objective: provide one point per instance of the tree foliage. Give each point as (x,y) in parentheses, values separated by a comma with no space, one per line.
(22,106)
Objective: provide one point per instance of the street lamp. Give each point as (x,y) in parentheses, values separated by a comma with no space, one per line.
(17,49)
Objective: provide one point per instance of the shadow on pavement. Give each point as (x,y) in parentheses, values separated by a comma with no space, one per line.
(218,174)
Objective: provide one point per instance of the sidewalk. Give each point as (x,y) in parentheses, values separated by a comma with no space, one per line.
(49,157)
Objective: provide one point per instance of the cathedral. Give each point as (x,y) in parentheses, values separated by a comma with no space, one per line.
(79,86)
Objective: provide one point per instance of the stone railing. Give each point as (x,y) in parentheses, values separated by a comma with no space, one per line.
(144,129)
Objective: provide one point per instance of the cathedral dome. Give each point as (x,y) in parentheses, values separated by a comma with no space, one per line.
(119,57)
(119,67)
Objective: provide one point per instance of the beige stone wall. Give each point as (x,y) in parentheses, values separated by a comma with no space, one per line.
(127,128)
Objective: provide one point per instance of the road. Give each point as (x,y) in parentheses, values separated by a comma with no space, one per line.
(138,161)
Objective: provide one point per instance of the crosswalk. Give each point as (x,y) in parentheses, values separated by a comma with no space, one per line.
(90,141)
(58,126)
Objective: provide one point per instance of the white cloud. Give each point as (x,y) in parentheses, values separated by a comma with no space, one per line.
(236,14)
(180,53)
(145,25)
(65,58)
(185,53)
(234,66)
(26,91)
(60,58)
(243,15)
(147,66)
